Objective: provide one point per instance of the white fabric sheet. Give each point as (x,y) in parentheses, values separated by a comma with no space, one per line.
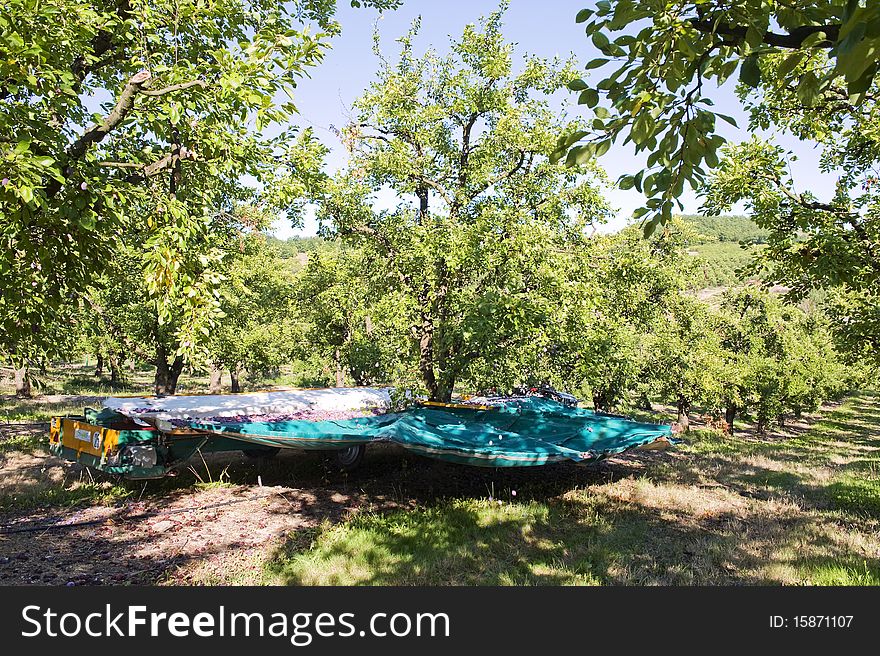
(254,403)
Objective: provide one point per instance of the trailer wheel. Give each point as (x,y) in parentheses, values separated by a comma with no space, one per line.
(264,452)
(348,459)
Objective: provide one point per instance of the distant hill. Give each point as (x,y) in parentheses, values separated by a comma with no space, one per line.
(727,245)
(731,228)
(293,247)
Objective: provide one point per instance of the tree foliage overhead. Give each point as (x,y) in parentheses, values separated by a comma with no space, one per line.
(659,55)
(120,114)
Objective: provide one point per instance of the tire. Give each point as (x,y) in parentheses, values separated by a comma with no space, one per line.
(262,452)
(349,459)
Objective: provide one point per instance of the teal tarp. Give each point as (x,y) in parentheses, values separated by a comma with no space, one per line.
(518,432)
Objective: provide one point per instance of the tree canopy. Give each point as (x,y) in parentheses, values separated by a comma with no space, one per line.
(123,114)
(659,55)
(804,68)
(464,140)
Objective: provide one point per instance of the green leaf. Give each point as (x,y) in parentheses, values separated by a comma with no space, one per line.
(862,84)
(600,40)
(790,63)
(711,158)
(754,37)
(596,63)
(573,138)
(589,97)
(583,15)
(750,72)
(642,128)
(580,155)
(808,89)
(577,85)
(814,39)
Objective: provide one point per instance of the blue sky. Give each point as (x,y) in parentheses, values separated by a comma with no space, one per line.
(542,28)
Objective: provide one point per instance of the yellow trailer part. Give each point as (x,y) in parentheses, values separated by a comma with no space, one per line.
(83,437)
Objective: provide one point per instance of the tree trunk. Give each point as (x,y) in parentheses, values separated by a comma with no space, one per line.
(22,383)
(340,373)
(165,383)
(115,373)
(445,387)
(176,370)
(426,359)
(216,383)
(422,193)
(233,374)
(131,365)
(645,403)
(729,416)
(99,366)
(600,401)
(683,419)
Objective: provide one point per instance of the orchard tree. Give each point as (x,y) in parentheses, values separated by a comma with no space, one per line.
(661,58)
(352,323)
(259,329)
(124,303)
(464,141)
(686,358)
(779,359)
(120,115)
(626,287)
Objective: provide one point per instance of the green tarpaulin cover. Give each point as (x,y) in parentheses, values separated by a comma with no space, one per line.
(516,432)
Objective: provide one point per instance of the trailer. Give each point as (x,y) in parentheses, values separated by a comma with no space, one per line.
(152,437)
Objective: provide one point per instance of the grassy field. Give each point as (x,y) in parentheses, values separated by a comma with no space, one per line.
(803,509)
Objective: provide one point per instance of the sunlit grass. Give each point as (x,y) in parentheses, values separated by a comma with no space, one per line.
(462,542)
(724,510)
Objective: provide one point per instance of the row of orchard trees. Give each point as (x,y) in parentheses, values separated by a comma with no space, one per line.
(613,319)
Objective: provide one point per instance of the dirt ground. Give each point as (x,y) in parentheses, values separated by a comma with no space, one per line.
(192,528)
(218,521)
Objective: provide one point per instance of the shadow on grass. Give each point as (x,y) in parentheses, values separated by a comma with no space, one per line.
(587,541)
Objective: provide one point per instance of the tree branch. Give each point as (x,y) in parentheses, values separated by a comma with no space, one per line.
(367,231)
(436,187)
(98,131)
(502,176)
(102,44)
(792,40)
(124,105)
(806,204)
(174,87)
(148,171)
